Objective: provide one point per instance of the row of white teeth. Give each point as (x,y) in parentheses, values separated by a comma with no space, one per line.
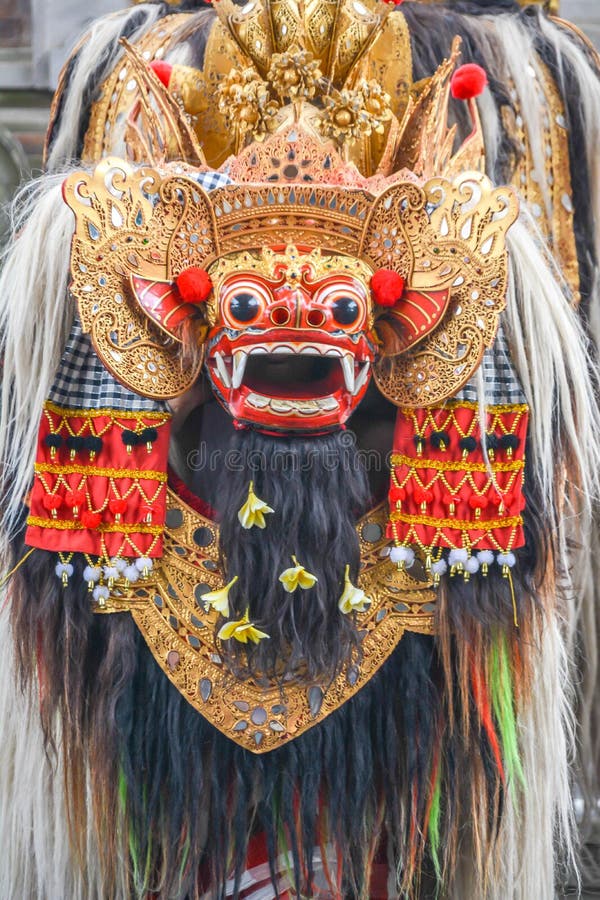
(352,381)
(301,407)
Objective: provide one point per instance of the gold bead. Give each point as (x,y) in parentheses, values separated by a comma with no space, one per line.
(290,77)
(343,118)
(248,114)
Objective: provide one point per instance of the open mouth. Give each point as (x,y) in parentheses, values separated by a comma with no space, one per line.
(302,377)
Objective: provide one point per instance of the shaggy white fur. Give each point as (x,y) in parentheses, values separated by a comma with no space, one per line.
(35,317)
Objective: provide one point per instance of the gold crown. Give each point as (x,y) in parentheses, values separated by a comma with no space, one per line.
(337,71)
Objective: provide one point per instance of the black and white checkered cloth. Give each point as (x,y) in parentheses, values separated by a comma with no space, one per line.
(82,382)
(501,383)
(211,180)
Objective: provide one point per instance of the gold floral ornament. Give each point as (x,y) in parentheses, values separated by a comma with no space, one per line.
(245,102)
(295,74)
(241,630)
(353,599)
(219,600)
(254,510)
(297,577)
(352,114)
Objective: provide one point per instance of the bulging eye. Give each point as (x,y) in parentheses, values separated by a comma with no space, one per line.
(345,310)
(244,306)
(345,300)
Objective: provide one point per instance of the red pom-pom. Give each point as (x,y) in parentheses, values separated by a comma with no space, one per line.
(52,502)
(476,502)
(468,81)
(90,519)
(387,287)
(422,495)
(117,506)
(75,498)
(162,70)
(194,284)
(397,494)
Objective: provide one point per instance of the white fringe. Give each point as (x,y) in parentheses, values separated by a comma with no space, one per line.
(36,856)
(514,47)
(536,843)
(98,57)
(551,356)
(35,317)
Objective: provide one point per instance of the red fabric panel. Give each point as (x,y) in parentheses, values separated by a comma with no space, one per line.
(444,496)
(138,477)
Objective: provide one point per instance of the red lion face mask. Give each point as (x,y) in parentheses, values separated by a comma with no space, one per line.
(291,343)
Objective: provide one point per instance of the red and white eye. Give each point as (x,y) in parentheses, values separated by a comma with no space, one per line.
(346,300)
(243,300)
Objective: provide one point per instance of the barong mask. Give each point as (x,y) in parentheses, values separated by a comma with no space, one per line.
(283,255)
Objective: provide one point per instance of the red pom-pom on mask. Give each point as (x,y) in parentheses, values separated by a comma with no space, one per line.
(468,81)
(162,70)
(387,287)
(194,285)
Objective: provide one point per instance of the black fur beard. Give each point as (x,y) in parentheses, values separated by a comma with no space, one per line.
(318,489)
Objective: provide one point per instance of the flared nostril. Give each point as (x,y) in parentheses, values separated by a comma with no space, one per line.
(316,318)
(280,315)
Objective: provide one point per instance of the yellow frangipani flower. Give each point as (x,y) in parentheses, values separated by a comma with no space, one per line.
(297,577)
(219,600)
(242,630)
(254,510)
(352,597)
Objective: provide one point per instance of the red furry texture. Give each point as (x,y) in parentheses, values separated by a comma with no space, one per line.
(52,502)
(162,70)
(75,498)
(468,81)
(117,506)
(90,519)
(194,284)
(387,287)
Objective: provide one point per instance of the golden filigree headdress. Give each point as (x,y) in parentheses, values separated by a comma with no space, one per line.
(341,71)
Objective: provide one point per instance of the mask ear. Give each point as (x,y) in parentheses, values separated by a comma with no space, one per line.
(136,232)
(171,303)
(446,243)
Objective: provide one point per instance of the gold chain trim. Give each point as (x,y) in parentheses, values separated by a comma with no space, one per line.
(147,475)
(67,525)
(458,524)
(458,466)
(467,404)
(110,413)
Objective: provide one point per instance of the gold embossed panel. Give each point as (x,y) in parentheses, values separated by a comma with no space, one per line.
(167,608)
